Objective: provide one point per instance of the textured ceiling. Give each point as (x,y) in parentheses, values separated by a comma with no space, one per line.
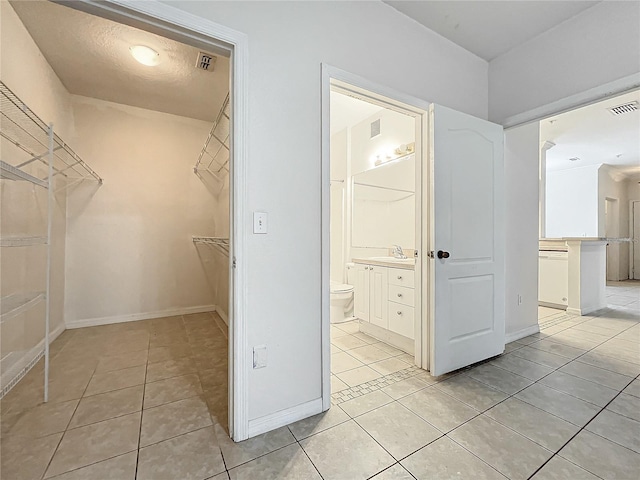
(595,136)
(91,57)
(490,28)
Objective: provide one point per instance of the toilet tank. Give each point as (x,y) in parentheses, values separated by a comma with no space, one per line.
(351,273)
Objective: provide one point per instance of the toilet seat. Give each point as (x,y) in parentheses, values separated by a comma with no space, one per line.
(341,288)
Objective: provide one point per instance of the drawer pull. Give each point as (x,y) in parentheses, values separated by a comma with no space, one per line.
(399,277)
(399,295)
(366,268)
(399,312)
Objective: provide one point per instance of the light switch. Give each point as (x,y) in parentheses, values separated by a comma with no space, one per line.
(259,356)
(259,222)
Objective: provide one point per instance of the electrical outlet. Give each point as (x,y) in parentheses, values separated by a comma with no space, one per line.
(259,356)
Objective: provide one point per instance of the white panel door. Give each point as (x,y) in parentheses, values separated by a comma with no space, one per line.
(361,292)
(468,239)
(379,296)
(636,240)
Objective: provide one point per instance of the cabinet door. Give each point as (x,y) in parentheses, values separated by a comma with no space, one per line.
(378,296)
(361,292)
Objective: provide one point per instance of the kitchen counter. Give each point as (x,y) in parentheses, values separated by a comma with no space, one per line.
(407,264)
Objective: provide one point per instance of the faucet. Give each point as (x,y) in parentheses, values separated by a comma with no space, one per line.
(397,252)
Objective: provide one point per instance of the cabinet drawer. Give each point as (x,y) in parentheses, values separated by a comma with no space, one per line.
(403,295)
(401,277)
(401,319)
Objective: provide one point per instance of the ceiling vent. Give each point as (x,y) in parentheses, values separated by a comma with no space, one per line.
(206,61)
(375,128)
(625,108)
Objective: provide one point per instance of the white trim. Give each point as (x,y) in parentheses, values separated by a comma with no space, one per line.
(222,315)
(134,317)
(525,332)
(164,19)
(388,98)
(593,95)
(284,417)
(574,311)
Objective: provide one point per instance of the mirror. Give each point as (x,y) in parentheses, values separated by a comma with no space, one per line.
(383,208)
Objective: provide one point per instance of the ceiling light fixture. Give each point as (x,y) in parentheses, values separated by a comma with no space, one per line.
(145,55)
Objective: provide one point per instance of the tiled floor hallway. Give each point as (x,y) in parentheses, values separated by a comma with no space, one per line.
(561,404)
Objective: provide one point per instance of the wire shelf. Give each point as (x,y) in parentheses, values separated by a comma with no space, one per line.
(221,243)
(20,126)
(13,305)
(214,157)
(22,240)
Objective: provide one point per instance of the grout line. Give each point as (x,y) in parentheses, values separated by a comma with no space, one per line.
(305,452)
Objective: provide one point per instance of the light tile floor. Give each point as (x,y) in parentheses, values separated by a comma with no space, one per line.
(560,404)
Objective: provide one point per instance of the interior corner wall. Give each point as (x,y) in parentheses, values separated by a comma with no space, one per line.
(521,159)
(288,42)
(129,248)
(25,71)
(598,46)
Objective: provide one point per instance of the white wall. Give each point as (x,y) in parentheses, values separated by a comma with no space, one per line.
(28,75)
(598,46)
(287,44)
(129,248)
(521,257)
(572,202)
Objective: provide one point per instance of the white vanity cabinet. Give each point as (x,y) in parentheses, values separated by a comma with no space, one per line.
(384,297)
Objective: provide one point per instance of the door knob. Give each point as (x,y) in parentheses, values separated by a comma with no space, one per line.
(399,295)
(442,254)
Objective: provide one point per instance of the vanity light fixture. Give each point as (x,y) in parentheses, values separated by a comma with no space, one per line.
(399,152)
(145,55)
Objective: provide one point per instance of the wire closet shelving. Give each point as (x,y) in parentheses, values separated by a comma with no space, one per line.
(220,243)
(214,156)
(38,146)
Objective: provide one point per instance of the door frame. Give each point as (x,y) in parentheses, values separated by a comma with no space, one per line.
(182,26)
(389,98)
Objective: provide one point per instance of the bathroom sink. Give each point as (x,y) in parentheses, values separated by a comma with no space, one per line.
(404,261)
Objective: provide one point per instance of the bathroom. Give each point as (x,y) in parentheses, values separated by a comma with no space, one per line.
(373,218)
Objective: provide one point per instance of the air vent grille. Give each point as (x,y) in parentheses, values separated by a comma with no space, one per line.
(206,61)
(375,128)
(625,108)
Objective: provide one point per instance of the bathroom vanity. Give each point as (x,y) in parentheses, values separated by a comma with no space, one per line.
(384,299)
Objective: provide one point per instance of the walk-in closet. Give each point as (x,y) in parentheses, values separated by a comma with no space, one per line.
(114,245)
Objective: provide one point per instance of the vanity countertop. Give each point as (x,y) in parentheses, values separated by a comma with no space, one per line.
(407,264)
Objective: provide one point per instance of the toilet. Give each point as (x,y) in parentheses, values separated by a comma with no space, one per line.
(341,298)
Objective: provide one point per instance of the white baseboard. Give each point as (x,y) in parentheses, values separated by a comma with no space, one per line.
(223,315)
(525,332)
(284,417)
(134,317)
(13,375)
(406,344)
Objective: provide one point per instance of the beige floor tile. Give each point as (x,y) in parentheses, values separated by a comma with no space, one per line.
(122,467)
(335,349)
(336,332)
(349,327)
(405,387)
(214,377)
(366,338)
(171,352)
(342,361)
(358,376)
(565,406)
(626,405)
(617,428)
(393,351)
(235,454)
(365,403)
(116,380)
(193,456)
(602,457)
(499,378)
(583,389)
(389,366)
(541,357)
(171,389)
(369,354)
(337,385)
(633,388)
(93,443)
(439,409)
(160,339)
(521,366)
(220,476)
(511,454)
(173,419)
(399,430)
(610,363)
(394,472)
(560,469)
(475,394)
(288,463)
(348,342)
(346,451)
(108,405)
(43,420)
(119,362)
(446,460)
(170,368)
(25,458)
(596,374)
(317,423)
(543,428)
